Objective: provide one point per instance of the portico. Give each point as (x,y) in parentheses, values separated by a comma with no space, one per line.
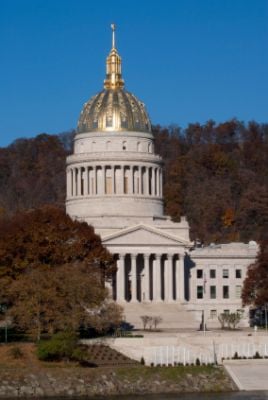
(149,277)
(150,265)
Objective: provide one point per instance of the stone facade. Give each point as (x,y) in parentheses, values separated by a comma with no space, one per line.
(114,182)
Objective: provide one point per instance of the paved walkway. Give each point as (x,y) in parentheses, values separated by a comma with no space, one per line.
(248,374)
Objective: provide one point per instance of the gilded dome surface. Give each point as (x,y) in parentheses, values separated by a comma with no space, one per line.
(114,109)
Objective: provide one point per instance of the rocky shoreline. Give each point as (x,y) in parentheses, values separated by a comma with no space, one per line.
(82,382)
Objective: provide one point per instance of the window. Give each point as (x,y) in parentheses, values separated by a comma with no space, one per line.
(199,292)
(238,290)
(225,273)
(212,273)
(238,273)
(226,311)
(225,292)
(213,314)
(199,273)
(213,292)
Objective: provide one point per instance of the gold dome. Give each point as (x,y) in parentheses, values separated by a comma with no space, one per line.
(114,109)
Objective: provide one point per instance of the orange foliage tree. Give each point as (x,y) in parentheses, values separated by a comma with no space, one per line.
(52,271)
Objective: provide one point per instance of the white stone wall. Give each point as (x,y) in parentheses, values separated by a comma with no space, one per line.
(230,263)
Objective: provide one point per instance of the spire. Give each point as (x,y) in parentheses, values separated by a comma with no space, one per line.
(113,67)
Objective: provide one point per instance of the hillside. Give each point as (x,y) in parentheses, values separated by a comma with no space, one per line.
(215,174)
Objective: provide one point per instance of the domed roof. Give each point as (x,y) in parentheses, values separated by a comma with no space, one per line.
(114,109)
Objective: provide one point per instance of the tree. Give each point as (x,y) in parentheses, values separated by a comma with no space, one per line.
(145,320)
(59,299)
(231,319)
(157,320)
(234,319)
(255,285)
(48,237)
(223,319)
(52,272)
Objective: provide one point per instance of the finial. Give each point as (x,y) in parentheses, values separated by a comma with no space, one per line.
(113,67)
(113,35)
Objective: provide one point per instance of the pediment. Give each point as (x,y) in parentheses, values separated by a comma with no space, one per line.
(142,235)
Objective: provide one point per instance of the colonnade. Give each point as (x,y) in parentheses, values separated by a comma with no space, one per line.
(114,179)
(149,278)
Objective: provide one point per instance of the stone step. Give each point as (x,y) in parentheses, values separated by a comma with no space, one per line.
(173,315)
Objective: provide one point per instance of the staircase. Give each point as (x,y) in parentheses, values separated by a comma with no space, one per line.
(174,316)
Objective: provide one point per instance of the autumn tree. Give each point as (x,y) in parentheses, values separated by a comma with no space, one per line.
(52,271)
(215,174)
(255,285)
(64,298)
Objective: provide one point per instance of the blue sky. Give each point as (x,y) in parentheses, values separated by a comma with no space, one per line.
(188,60)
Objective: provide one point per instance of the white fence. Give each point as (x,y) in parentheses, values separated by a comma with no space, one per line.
(172,355)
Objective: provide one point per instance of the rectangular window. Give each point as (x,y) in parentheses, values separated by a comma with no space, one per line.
(199,292)
(225,273)
(238,273)
(212,273)
(226,311)
(213,292)
(213,314)
(225,292)
(238,291)
(199,273)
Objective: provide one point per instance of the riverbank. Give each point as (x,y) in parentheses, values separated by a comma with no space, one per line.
(22,375)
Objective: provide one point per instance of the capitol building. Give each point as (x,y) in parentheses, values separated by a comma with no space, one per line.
(114,183)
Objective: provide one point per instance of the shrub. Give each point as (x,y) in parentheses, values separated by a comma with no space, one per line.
(257,355)
(142,361)
(197,362)
(235,357)
(16,352)
(62,345)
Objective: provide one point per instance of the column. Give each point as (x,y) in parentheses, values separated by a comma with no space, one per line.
(113,178)
(74,187)
(146,283)
(86,181)
(131,178)
(180,282)
(103,179)
(69,182)
(95,180)
(133,269)
(146,189)
(120,278)
(79,178)
(161,183)
(140,179)
(168,278)
(157,278)
(122,179)
(157,181)
(153,181)
(177,278)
